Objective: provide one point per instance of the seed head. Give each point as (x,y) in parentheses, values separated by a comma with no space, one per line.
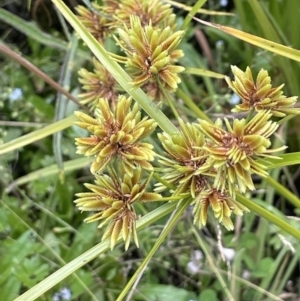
(151,53)
(96,23)
(234,152)
(186,157)
(187,170)
(97,84)
(113,197)
(221,204)
(260,95)
(116,134)
(155,11)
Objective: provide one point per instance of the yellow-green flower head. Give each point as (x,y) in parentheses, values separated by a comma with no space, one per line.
(113,197)
(116,134)
(97,84)
(96,22)
(155,11)
(234,152)
(221,204)
(260,95)
(184,166)
(189,172)
(151,53)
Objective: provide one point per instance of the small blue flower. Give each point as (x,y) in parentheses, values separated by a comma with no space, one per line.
(63,295)
(223,2)
(16,94)
(235,99)
(220,44)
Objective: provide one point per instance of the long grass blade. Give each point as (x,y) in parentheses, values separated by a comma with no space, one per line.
(37,135)
(199,11)
(279,222)
(202,72)
(49,171)
(62,102)
(287,160)
(282,50)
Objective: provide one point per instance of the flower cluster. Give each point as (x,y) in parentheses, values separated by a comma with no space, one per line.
(222,204)
(113,197)
(95,21)
(103,20)
(211,163)
(184,166)
(117,127)
(155,11)
(98,84)
(260,95)
(190,172)
(149,40)
(151,54)
(116,134)
(206,162)
(233,153)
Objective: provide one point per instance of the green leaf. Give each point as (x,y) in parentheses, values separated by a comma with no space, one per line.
(83,259)
(249,263)
(287,159)
(10,289)
(263,268)
(83,240)
(31,271)
(248,241)
(208,295)
(86,277)
(279,222)
(17,250)
(41,105)
(202,72)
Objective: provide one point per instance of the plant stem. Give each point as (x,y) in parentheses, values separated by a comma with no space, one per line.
(192,105)
(194,10)
(283,191)
(167,96)
(268,216)
(29,66)
(181,208)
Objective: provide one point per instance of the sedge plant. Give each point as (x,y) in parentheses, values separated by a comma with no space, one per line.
(205,162)
(131,95)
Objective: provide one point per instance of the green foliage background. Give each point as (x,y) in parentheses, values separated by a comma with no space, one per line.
(40,228)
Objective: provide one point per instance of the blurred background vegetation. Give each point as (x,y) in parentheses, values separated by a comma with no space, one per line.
(41,230)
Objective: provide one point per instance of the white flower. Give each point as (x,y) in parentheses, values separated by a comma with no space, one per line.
(228,253)
(195,264)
